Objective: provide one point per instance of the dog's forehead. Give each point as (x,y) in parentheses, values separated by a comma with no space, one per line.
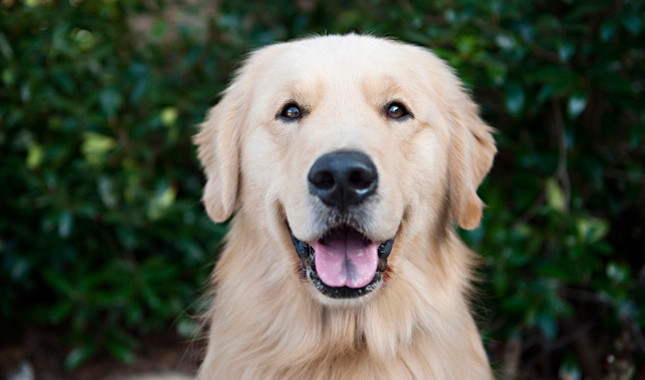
(338,72)
(341,60)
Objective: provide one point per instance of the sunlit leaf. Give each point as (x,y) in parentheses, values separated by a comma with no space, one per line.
(164,198)
(95,147)
(555,195)
(617,272)
(591,229)
(577,103)
(169,116)
(84,39)
(35,155)
(566,50)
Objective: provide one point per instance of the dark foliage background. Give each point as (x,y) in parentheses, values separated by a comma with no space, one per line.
(103,237)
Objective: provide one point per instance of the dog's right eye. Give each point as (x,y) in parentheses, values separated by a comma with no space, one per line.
(397,111)
(290,112)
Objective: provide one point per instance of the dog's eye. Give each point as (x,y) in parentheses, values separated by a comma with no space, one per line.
(396,110)
(290,112)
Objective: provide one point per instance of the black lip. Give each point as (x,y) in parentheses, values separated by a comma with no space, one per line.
(306,254)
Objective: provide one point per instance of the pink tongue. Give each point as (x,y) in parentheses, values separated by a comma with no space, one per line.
(345,259)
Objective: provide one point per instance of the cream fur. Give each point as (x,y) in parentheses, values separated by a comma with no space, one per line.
(267,321)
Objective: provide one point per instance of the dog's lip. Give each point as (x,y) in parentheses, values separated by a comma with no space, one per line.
(306,253)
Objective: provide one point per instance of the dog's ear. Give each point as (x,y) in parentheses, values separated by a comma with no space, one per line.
(218,151)
(471,156)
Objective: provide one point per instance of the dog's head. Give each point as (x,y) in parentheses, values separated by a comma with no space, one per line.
(342,145)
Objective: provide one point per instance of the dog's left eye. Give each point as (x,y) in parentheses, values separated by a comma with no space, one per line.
(290,112)
(396,110)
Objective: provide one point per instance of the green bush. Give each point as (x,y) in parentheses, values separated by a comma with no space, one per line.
(103,235)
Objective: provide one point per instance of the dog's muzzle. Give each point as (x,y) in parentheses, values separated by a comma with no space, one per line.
(344,262)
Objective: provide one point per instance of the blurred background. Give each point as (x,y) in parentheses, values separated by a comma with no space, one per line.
(105,249)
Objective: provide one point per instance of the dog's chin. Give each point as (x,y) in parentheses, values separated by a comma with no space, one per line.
(344,264)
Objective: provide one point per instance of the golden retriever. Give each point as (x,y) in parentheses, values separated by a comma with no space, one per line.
(346,161)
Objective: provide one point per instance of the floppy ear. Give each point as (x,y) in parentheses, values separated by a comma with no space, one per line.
(471,156)
(218,151)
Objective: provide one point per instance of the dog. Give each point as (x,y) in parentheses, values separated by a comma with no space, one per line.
(346,162)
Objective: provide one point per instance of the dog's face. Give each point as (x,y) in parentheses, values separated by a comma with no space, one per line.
(339,147)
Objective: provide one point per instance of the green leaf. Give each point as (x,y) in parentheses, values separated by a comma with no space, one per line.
(577,103)
(25,92)
(107,191)
(555,195)
(569,368)
(187,327)
(548,325)
(163,200)
(159,28)
(111,101)
(5,48)
(58,282)
(607,30)
(591,230)
(121,351)
(79,355)
(632,22)
(514,98)
(566,50)
(127,237)
(8,76)
(134,315)
(169,116)
(35,155)
(65,224)
(152,300)
(466,44)
(167,197)
(18,267)
(618,273)
(95,146)
(60,312)
(550,90)
(497,71)
(505,42)
(83,38)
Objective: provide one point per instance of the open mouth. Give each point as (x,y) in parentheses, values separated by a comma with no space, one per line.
(344,263)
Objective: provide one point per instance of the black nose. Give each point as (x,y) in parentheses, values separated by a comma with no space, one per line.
(343,178)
